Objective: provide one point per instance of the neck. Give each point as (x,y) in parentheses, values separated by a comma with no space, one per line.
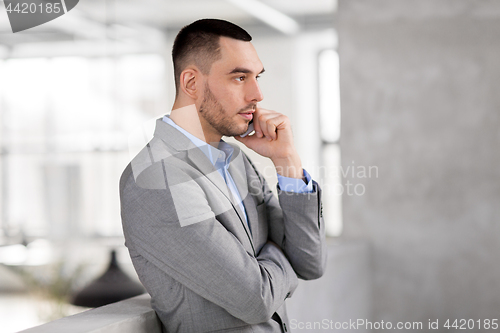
(187,117)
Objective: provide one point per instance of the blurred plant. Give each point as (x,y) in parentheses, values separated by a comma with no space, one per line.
(52,285)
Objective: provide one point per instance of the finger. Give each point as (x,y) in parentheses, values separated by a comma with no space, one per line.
(251,141)
(279,122)
(267,124)
(271,129)
(262,121)
(256,123)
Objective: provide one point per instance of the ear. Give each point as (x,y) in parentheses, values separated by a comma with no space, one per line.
(190,82)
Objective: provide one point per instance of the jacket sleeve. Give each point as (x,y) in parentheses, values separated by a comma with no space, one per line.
(202,255)
(296,224)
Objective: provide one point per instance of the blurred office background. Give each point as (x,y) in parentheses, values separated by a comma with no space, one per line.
(410,174)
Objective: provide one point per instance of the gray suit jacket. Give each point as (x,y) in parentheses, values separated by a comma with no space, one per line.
(205,270)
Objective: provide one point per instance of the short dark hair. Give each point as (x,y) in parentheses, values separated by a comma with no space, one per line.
(198,43)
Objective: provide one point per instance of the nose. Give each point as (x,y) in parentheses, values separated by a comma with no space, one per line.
(254,94)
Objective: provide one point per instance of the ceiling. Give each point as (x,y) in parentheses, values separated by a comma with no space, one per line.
(142,24)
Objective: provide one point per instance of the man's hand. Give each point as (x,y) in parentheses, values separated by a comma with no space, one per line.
(273,138)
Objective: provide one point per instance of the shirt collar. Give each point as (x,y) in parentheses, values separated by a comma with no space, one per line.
(218,157)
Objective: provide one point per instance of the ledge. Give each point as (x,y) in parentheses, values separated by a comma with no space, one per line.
(131,315)
(346,281)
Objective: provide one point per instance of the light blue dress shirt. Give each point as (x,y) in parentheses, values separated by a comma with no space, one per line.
(221,157)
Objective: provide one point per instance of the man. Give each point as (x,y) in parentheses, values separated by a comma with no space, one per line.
(210,242)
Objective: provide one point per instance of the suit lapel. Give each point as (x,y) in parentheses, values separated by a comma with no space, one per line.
(238,173)
(199,160)
(203,164)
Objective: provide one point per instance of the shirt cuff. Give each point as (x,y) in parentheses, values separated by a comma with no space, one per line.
(296,185)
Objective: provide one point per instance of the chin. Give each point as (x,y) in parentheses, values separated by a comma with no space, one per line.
(239,130)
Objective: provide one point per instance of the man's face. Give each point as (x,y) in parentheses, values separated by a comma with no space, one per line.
(231,90)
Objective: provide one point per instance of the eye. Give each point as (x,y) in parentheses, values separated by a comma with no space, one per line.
(240,78)
(257,77)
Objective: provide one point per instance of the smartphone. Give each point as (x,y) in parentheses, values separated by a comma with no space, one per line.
(250,129)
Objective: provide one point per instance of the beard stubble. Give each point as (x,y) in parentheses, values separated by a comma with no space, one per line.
(221,120)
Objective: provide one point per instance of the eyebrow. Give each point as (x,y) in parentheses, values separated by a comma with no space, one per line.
(244,70)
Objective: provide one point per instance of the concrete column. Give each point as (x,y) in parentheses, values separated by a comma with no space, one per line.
(421,103)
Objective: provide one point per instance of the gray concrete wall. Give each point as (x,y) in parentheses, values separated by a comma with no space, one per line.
(420,91)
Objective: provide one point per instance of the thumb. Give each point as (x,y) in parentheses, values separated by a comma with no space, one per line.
(242,140)
(248,140)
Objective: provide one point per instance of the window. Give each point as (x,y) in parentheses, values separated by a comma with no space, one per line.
(64,132)
(329,117)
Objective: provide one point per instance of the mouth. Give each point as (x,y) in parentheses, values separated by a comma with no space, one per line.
(247,114)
